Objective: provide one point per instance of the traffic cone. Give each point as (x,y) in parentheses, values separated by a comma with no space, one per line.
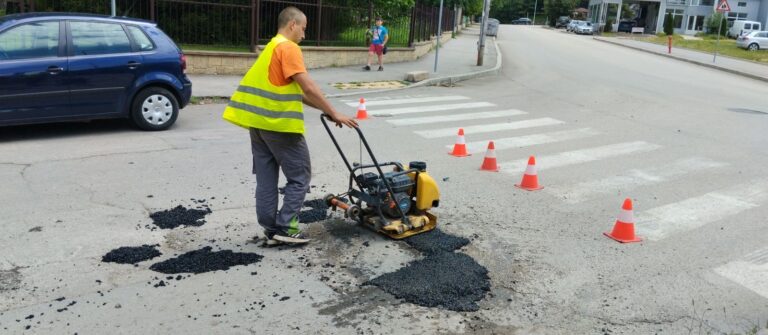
(460,148)
(489,163)
(624,228)
(362,114)
(530,180)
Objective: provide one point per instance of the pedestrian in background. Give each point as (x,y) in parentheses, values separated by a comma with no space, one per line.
(379,38)
(269,103)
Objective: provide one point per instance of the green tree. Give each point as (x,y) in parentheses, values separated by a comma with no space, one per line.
(668,29)
(609,25)
(714,21)
(557,8)
(627,12)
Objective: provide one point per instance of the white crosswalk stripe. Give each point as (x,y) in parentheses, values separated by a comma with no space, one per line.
(427,109)
(488,128)
(455,117)
(751,271)
(404,101)
(530,140)
(580,156)
(631,179)
(657,223)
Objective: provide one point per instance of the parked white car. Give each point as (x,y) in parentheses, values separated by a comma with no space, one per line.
(583,28)
(753,41)
(572,25)
(741,28)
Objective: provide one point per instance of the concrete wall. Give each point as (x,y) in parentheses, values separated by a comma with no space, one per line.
(237,63)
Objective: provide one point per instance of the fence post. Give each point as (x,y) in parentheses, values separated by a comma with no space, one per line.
(152,10)
(413,27)
(319,19)
(254,24)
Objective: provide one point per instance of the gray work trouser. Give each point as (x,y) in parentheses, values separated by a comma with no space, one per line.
(273,151)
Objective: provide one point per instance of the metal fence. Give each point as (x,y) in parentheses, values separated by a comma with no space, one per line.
(246,23)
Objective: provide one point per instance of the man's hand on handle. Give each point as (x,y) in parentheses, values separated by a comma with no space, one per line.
(342,119)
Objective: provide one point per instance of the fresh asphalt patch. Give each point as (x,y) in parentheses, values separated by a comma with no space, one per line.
(205,260)
(444,278)
(180,215)
(318,211)
(131,255)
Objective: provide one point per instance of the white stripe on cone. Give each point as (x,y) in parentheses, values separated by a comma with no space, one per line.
(491,153)
(626,216)
(461,140)
(361,107)
(530,170)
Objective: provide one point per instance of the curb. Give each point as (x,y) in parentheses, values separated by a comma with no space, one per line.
(711,66)
(452,79)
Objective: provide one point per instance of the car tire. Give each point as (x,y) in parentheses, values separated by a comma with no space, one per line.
(753,47)
(154,108)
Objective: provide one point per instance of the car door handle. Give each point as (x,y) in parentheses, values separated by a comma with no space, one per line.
(133,65)
(53,69)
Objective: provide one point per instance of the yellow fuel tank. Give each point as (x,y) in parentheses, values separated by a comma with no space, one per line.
(427,192)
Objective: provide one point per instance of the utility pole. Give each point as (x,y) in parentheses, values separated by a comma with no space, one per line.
(439,33)
(535,4)
(481,43)
(114,8)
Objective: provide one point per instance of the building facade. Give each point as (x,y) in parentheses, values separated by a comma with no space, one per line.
(688,16)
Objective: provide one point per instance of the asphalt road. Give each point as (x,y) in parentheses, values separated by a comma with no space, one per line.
(605,123)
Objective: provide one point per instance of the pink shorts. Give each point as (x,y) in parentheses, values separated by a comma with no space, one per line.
(377,49)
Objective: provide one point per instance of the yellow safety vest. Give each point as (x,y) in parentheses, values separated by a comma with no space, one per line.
(258,104)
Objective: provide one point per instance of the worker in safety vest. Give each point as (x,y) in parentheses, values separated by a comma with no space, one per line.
(268,103)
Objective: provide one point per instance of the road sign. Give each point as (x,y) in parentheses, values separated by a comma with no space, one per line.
(723,6)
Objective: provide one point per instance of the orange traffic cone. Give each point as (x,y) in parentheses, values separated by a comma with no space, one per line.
(460,148)
(489,163)
(530,180)
(362,114)
(624,228)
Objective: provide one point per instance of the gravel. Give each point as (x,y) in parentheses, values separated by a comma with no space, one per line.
(444,278)
(180,215)
(204,260)
(436,241)
(131,255)
(319,211)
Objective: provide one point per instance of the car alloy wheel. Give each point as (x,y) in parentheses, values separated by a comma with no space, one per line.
(156,109)
(754,47)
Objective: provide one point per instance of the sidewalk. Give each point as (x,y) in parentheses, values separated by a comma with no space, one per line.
(457,62)
(724,63)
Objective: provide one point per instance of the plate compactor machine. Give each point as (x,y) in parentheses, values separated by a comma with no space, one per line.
(395,203)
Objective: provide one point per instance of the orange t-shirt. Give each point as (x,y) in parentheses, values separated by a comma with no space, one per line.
(286,62)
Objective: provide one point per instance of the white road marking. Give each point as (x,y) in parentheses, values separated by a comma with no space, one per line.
(580,156)
(426,109)
(660,222)
(751,271)
(529,140)
(455,117)
(631,179)
(487,128)
(406,101)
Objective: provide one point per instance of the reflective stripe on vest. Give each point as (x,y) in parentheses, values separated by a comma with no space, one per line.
(257,103)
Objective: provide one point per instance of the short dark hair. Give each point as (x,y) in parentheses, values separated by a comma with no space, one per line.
(378,18)
(287,15)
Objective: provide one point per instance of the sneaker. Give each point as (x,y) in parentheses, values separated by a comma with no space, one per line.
(367,68)
(381,68)
(296,238)
(270,240)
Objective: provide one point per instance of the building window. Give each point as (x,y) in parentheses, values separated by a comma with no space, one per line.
(707,3)
(676,2)
(696,23)
(736,16)
(677,18)
(742,4)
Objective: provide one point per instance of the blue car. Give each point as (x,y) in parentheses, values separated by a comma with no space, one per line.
(63,67)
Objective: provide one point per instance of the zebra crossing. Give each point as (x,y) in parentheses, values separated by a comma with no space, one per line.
(654,224)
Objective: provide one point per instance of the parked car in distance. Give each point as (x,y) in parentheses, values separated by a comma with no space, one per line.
(753,41)
(562,22)
(522,20)
(626,26)
(742,27)
(583,28)
(65,67)
(572,25)
(492,27)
